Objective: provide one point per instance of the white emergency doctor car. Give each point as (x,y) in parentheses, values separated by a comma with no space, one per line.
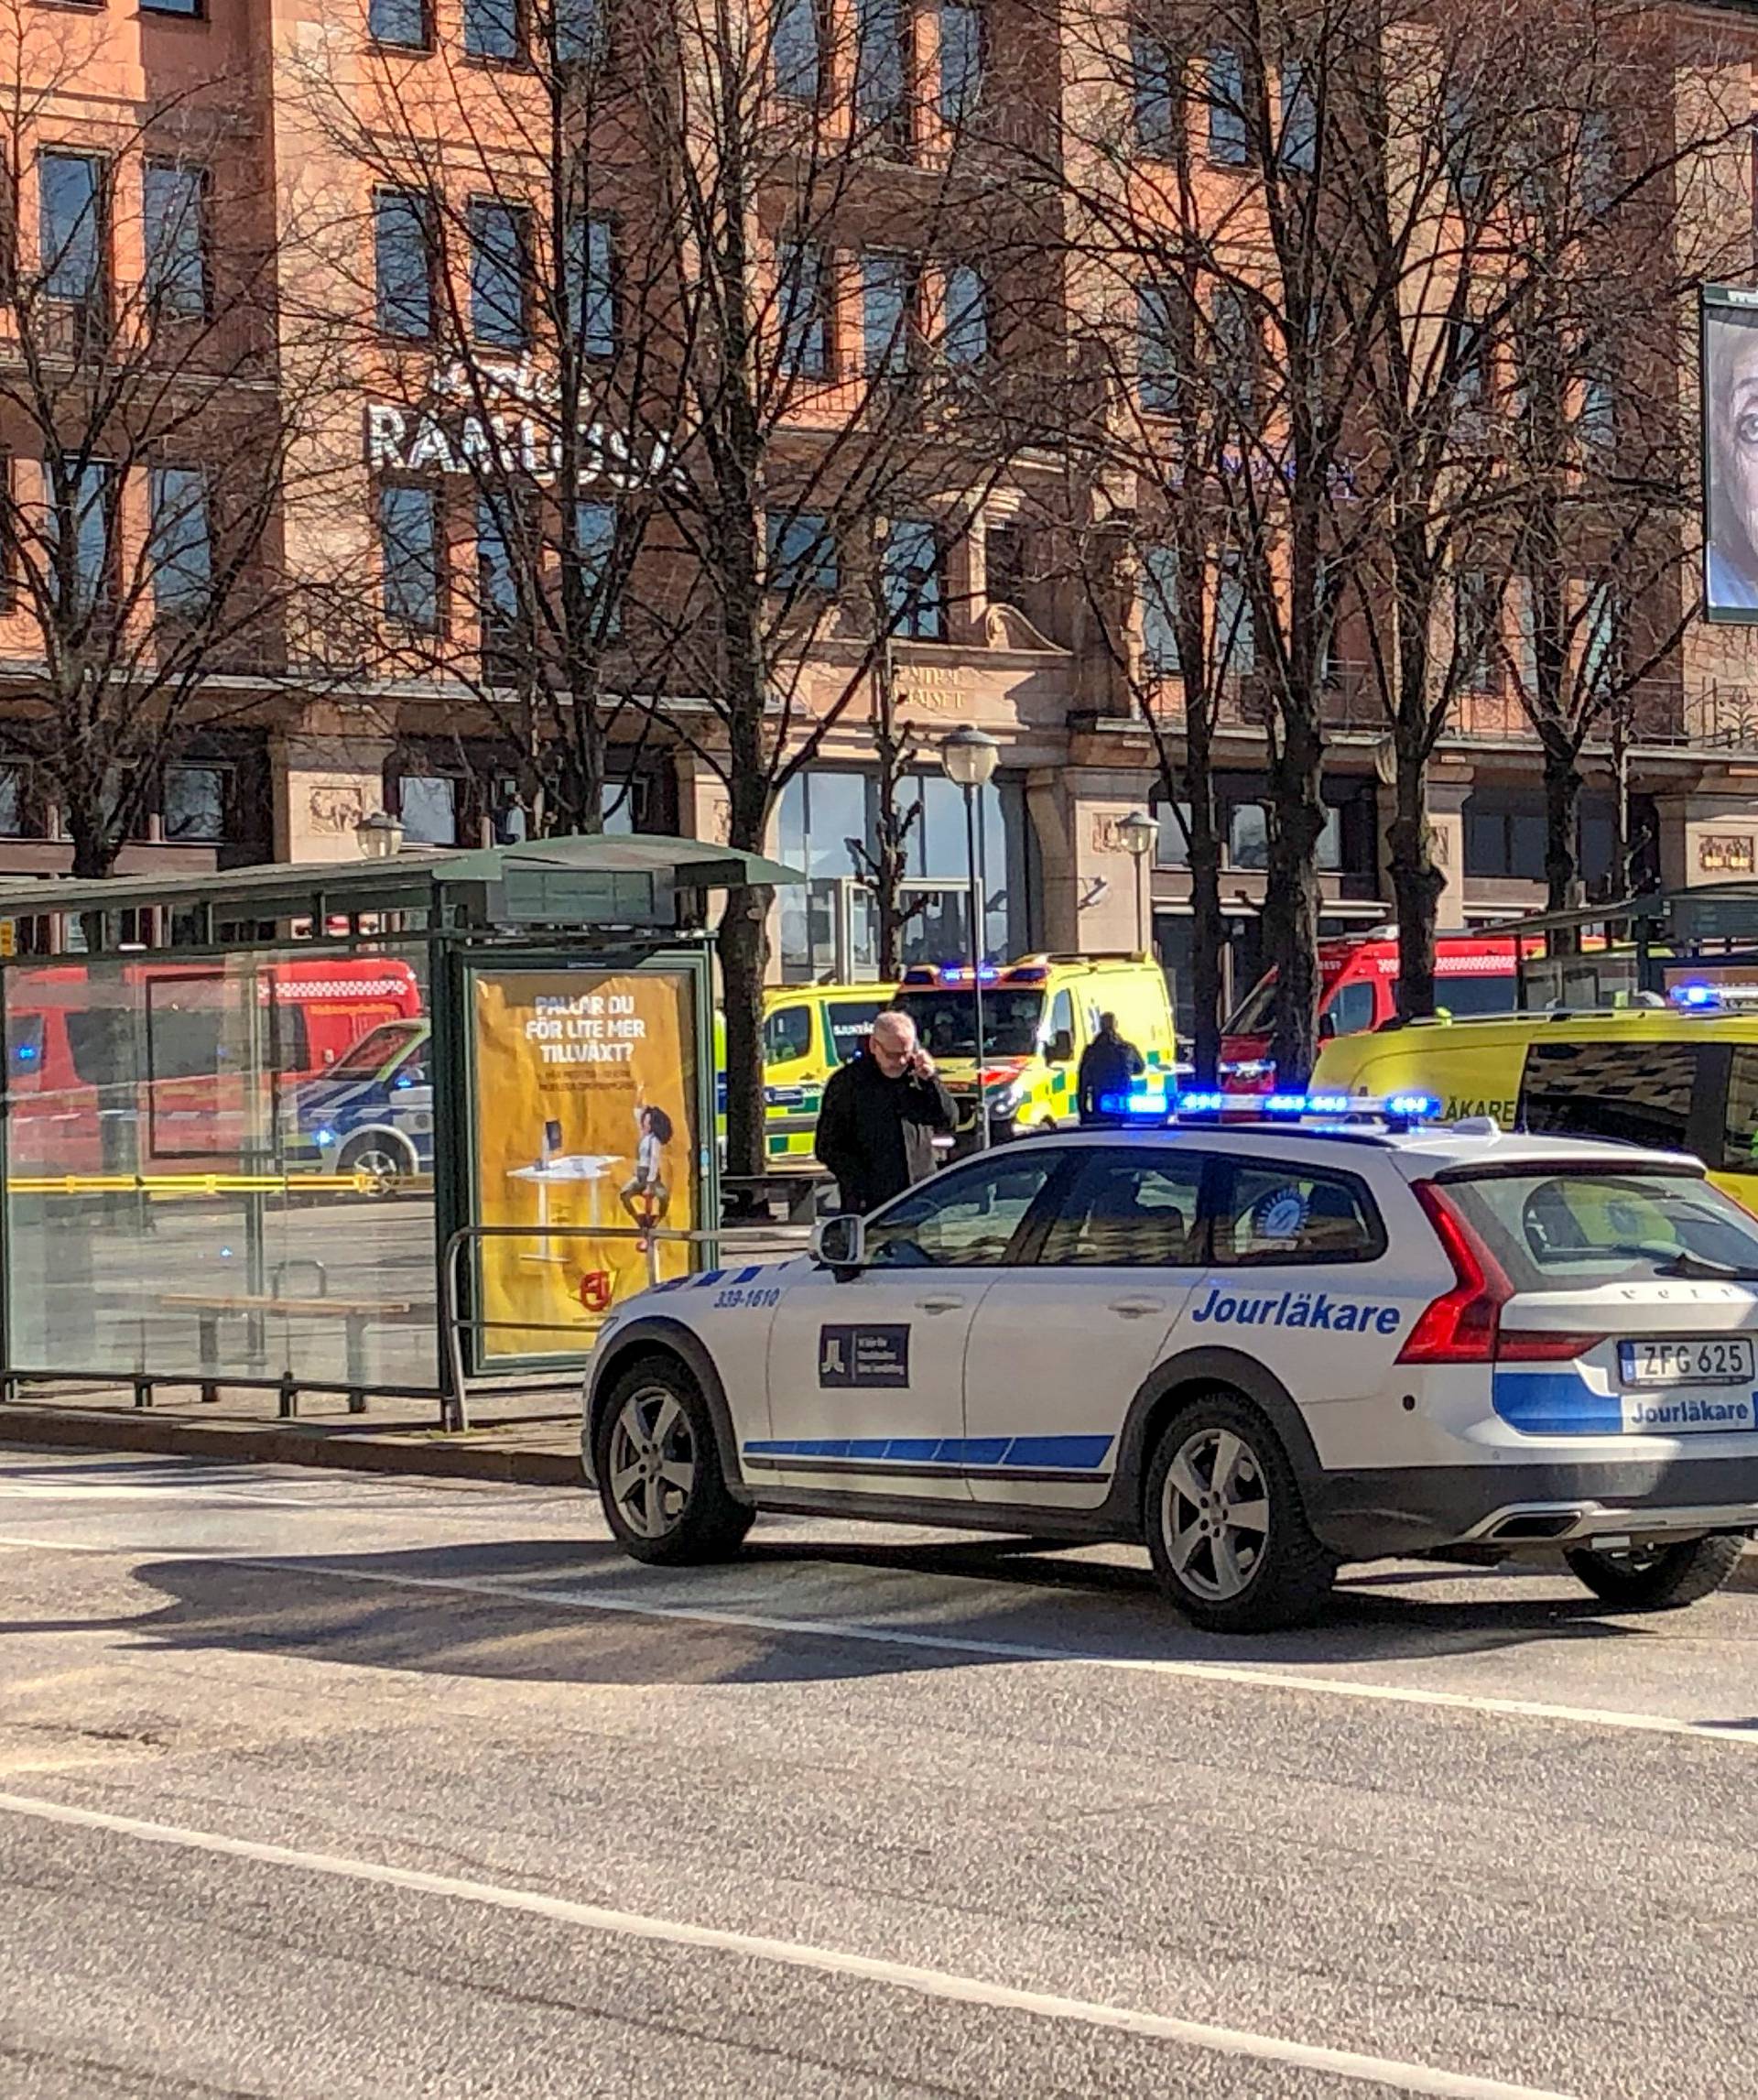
(1262,1347)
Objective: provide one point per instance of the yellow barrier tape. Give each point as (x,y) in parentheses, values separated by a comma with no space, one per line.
(201,1184)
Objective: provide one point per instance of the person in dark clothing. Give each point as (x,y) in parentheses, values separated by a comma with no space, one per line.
(1107,1065)
(880,1111)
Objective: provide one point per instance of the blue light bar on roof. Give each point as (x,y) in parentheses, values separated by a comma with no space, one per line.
(1695,996)
(1148,1100)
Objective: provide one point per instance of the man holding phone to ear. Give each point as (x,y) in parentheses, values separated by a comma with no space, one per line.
(879,1117)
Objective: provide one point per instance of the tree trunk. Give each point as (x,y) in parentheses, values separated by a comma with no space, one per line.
(1208,939)
(742,944)
(1416,885)
(1562,872)
(1291,900)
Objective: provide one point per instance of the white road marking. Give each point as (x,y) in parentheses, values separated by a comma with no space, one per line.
(792,1954)
(502,1589)
(157,1491)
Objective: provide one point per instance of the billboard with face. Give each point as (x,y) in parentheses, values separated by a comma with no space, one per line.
(1730,453)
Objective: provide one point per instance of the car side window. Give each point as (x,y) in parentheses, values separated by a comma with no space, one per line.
(786,1035)
(1270,1213)
(962,1219)
(1600,1090)
(1128,1210)
(1351,1009)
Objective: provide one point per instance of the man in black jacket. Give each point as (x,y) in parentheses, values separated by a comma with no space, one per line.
(879,1114)
(1109,1062)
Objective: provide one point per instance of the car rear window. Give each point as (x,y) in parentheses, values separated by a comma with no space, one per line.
(1643,1094)
(1270,1214)
(1551,1231)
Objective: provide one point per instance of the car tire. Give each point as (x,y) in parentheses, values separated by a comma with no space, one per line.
(1658,1578)
(659,1465)
(381,1159)
(1218,1460)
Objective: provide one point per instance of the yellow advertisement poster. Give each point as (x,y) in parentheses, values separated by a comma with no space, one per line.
(586,1094)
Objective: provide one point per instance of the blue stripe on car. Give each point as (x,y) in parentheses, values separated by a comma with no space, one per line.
(1556,1403)
(1071,1454)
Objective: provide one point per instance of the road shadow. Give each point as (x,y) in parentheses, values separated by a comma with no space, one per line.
(555,1612)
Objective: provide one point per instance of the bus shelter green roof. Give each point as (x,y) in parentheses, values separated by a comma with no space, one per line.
(632,879)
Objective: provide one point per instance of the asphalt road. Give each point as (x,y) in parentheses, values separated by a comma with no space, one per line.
(331,1786)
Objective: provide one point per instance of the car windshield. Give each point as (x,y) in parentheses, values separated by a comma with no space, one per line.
(375,1049)
(1549,1231)
(946,1021)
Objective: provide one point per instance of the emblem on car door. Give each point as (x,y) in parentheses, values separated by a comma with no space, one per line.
(864,1355)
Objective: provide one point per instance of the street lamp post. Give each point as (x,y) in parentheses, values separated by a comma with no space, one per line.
(1138,832)
(969,757)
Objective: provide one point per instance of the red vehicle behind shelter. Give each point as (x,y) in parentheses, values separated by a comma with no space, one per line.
(1474,973)
(148,1069)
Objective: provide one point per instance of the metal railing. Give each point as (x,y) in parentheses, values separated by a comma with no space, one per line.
(454,1405)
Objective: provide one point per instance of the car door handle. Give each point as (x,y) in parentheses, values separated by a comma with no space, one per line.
(940,1304)
(1137,1308)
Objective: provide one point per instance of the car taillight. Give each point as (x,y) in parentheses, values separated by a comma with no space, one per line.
(1464,1325)
(1460,1326)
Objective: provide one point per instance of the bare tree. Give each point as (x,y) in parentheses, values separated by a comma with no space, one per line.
(155,438)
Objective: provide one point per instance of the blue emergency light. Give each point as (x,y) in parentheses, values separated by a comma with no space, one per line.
(1696,996)
(1156,1102)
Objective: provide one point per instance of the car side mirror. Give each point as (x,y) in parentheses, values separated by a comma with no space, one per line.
(1061,1048)
(840,1244)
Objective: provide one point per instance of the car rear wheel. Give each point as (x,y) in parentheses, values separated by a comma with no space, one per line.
(380,1162)
(659,1474)
(1226,1525)
(1656,1578)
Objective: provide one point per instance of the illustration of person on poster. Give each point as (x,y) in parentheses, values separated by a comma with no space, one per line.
(646,1195)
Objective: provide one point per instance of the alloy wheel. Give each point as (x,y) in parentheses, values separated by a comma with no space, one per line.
(1215,1514)
(652,1469)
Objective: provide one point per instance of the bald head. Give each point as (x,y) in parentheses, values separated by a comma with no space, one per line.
(892,1043)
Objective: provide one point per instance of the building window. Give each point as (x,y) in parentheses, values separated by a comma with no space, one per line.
(794,50)
(965,339)
(802,551)
(497,592)
(1477,611)
(403,264)
(1158,349)
(1227,134)
(1155,79)
(190,9)
(1505,834)
(1235,634)
(409,545)
(194,804)
(579,29)
(89,510)
(914,572)
(73,226)
(428,807)
(492,28)
(882,65)
(593,559)
(1005,565)
(960,62)
(1461,145)
(182,542)
(805,337)
(1601,634)
(1159,601)
(400,22)
(1595,421)
(174,200)
(591,280)
(1299,118)
(1470,362)
(888,285)
(1234,329)
(15,802)
(500,274)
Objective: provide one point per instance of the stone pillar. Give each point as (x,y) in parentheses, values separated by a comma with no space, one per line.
(324,787)
(1092,901)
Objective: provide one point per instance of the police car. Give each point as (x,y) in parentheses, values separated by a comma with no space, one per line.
(1263,1347)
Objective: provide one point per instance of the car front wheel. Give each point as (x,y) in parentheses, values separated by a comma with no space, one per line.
(659,1474)
(1225,1523)
(1656,1578)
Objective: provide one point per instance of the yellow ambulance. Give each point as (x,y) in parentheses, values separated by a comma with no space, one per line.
(807,1031)
(1038,1015)
(1682,1075)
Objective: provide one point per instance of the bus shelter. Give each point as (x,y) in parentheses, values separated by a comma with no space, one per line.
(1636,947)
(253,1119)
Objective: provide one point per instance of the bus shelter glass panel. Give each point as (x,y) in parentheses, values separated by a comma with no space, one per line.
(588,1137)
(223,1168)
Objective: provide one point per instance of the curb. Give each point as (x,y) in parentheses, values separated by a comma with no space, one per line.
(470,1456)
